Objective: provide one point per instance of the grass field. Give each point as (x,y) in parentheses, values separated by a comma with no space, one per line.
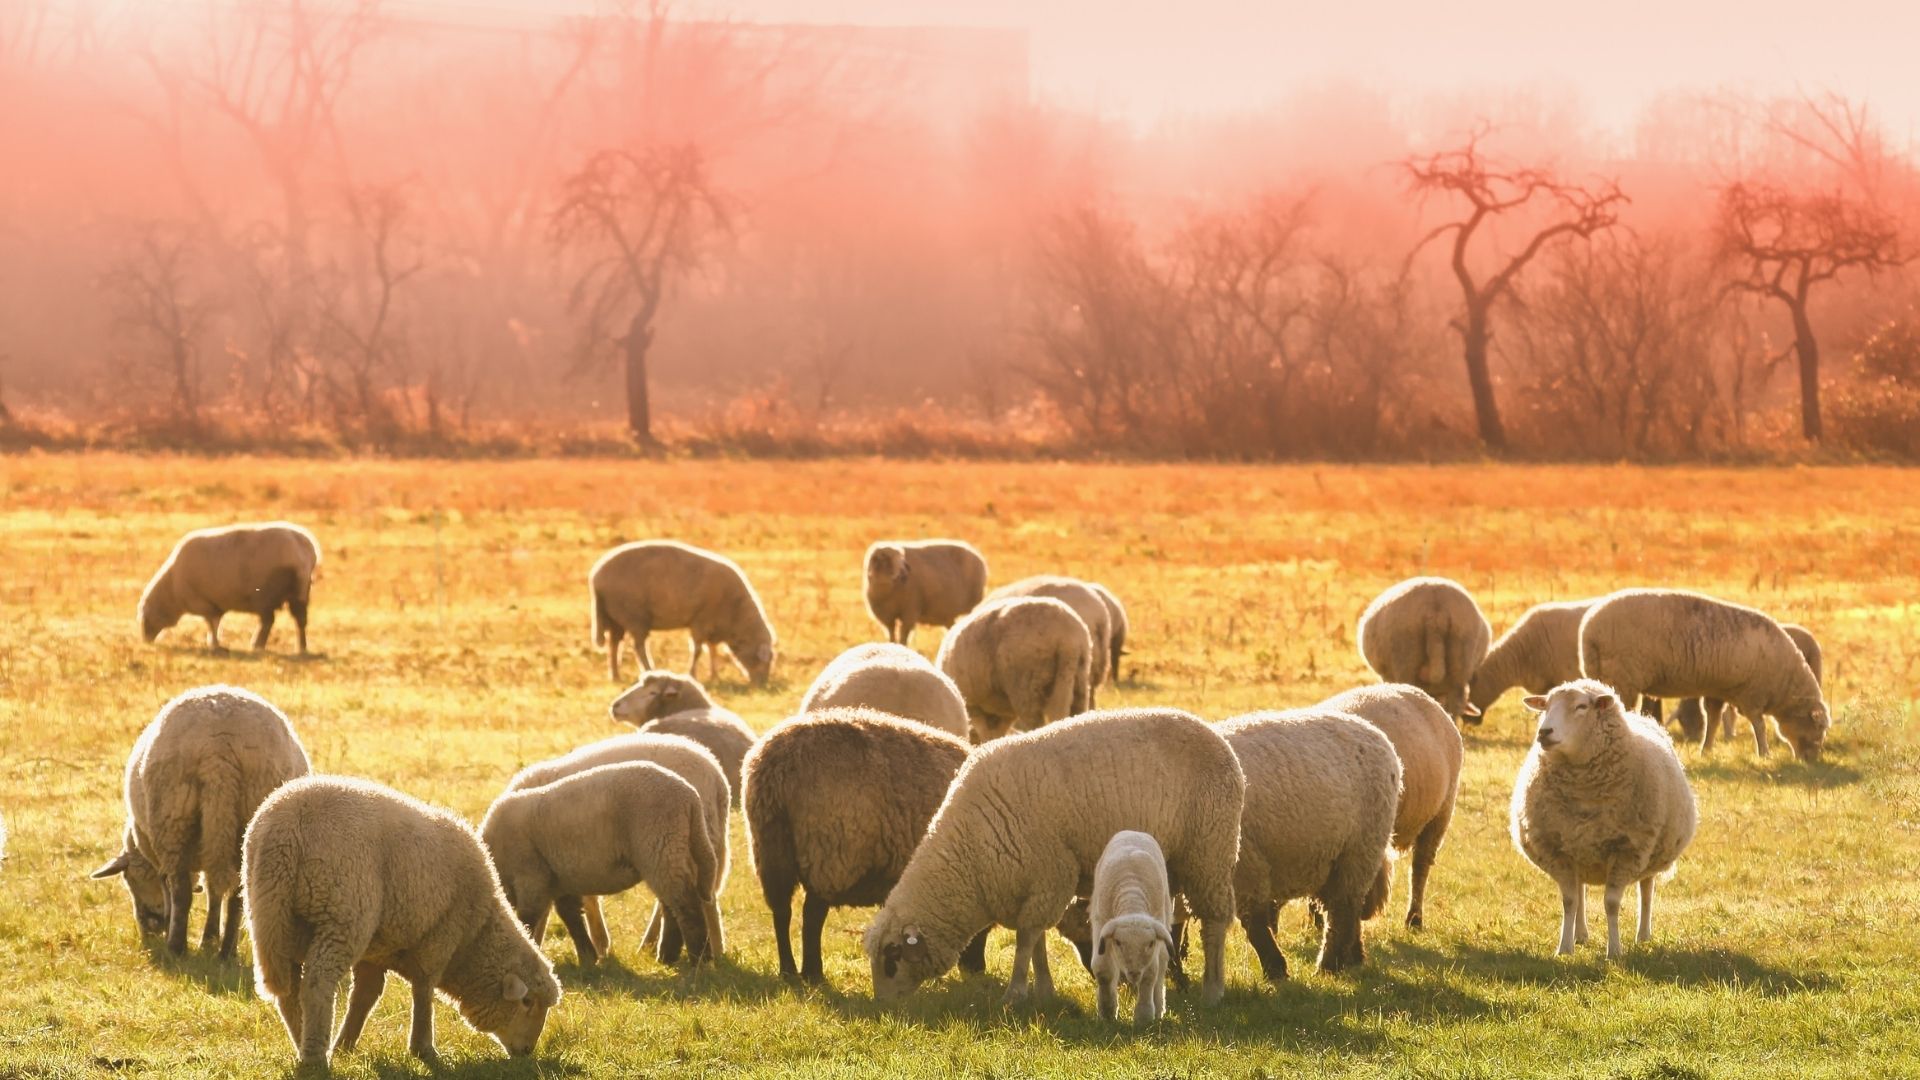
(452,618)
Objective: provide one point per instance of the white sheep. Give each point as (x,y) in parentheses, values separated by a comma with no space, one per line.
(1667,643)
(601,832)
(836,802)
(666,585)
(1087,603)
(196,775)
(250,568)
(1018,664)
(1118,627)
(1024,824)
(344,875)
(1698,717)
(892,679)
(669,703)
(1131,912)
(922,582)
(1426,631)
(1537,653)
(1601,799)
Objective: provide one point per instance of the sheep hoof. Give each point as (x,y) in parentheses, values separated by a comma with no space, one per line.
(1015,995)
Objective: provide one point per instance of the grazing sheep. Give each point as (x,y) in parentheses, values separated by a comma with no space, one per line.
(681,756)
(1693,716)
(1537,653)
(1428,745)
(1601,799)
(892,679)
(1018,664)
(1023,827)
(250,568)
(1086,603)
(836,801)
(1426,631)
(345,875)
(1133,909)
(667,585)
(914,582)
(1322,790)
(1666,643)
(669,703)
(601,832)
(196,775)
(1118,627)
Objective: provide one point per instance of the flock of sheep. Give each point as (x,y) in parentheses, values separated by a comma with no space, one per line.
(981,789)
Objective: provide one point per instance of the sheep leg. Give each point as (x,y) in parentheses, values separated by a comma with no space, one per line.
(290,1012)
(179,908)
(1759,733)
(1273,963)
(672,939)
(1707,739)
(907,627)
(369,980)
(693,665)
(213,631)
(1340,946)
(1042,971)
(1156,989)
(1213,941)
(210,936)
(1613,919)
(265,631)
(1177,962)
(686,925)
(230,937)
(813,920)
(973,958)
(614,634)
(656,925)
(1653,707)
(1426,847)
(420,1034)
(779,896)
(1646,910)
(1579,913)
(1106,996)
(1569,913)
(596,925)
(1023,945)
(327,963)
(575,920)
(298,609)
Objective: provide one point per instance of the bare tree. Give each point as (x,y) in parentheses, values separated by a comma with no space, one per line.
(358,312)
(1558,209)
(164,315)
(640,220)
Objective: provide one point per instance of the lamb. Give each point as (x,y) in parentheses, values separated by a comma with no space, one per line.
(195,777)
(1426,631)
(250,568)
(1132,907)
(684,758)
(892,679)
(669,703)
(1118,627)
(1428,745)
(1085,603)
(1601,799)
(1693,716)
(346,875)
(1012,843)
(836,801)
(600,832)
(667,585)
(1537,653)
(915,582)
(1666,643)
(1018,664)
(1322,790)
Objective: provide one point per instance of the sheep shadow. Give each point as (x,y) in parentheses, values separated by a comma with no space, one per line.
(1815,775)
(396,1065)
(1675,965)
(723,978)
(225,978)
(228,654)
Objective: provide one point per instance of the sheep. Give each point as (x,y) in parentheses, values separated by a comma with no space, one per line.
(1085,603)
(1018,664)
(666,585)
(1118,627)
(1133,909)
(892,679)
(196,775)
(915,582)
(836,801)
(684,758)
(1426,631)
(1666,643)
(251,568)
(1022,828)
(1537,653)
(669,703)
(603,831)
(1601,799)
(1428,745)
(346,875)
(1692,715)
(1323,787)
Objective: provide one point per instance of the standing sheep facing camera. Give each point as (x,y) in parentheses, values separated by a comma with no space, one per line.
(1537,653)
(345,875)
(915,582)
(1666,643)
(1426,631)
(250,568)
(669,703)
(892,679)
(1023,828)
(836,802)
(1428,744)
(1601,799)
(666,585)
(1698,717)
(601,832)
(1018,664)
(1087,603)
(197,774)
(1131,913)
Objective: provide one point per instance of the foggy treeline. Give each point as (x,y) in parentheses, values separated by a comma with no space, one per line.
(379,222)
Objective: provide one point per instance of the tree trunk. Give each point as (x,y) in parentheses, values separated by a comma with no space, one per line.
(1486,411)
(1808,351)
(639,408)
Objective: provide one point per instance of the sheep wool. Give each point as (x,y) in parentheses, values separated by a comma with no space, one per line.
(1018,664)
(1693,712)
(251,568)
(892,679)
(1119,628)
(1537,653)
(1087,603)
(1426,631)
(666,585)
(910,583)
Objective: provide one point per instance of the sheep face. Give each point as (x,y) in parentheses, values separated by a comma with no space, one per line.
(657,694)
(1805,727)
(887,568)
(1132,949)
(1571,718)
(144,884)
(516,1018)
(756,659)
(900,959)
(154,617)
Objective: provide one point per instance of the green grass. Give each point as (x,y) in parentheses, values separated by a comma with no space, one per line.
(452,616)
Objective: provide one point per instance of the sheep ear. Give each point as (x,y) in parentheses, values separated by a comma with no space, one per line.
(1536,702)
(1165,935)
(115,868)
(513,988)
(1470,711)
(669,691)
(1602,701)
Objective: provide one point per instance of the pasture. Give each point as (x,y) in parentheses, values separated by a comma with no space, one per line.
(451,616)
